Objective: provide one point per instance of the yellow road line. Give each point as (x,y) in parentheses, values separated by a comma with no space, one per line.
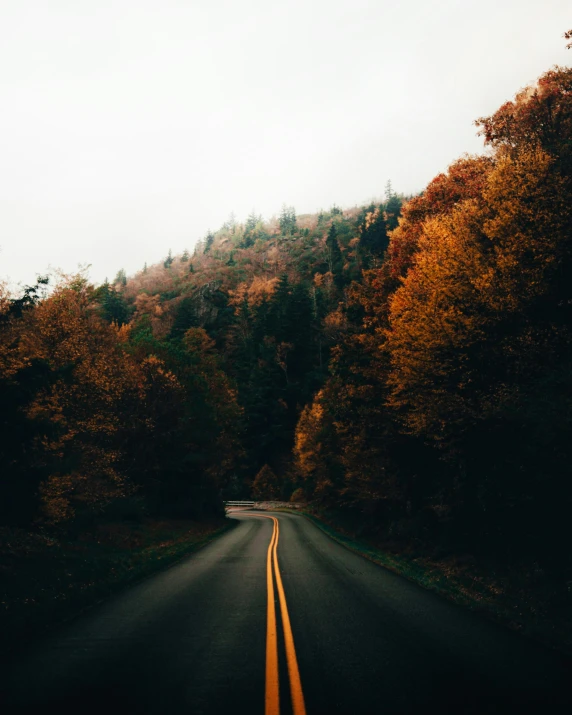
(272,699)
(298,705)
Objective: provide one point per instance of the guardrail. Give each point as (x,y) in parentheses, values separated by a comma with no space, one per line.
(239,503)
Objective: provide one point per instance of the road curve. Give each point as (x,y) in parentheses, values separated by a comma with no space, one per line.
(196,639)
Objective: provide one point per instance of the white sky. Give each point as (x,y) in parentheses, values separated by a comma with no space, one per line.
(128,127)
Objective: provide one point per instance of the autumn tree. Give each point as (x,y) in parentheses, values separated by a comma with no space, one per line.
(540,116)
(266,485)
(477,321)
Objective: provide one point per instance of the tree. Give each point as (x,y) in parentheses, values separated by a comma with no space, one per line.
(114,307)
(540,116)
(392,211)
(266,485)
(252,221)
(333,252)
(91,377)
(169,260)
(185,318)
(287,220)
(209,240)
(389,192)
(479,322)
(252,230)
(373,236)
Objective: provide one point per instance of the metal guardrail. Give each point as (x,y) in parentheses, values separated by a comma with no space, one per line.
(239,503)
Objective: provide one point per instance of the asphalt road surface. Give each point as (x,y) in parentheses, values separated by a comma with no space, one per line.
(276,617)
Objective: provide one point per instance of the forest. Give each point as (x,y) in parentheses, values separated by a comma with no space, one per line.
(407,363)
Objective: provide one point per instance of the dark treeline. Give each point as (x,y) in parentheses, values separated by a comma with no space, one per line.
(162,393)
(101,421)
(447,415)
(406,362)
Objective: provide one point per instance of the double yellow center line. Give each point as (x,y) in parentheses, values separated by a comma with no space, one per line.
(272,679)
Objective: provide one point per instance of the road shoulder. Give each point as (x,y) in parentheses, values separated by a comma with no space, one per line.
(46,581)
(459,582)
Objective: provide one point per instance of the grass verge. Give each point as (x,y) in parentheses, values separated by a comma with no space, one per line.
(532,602)
(45,580)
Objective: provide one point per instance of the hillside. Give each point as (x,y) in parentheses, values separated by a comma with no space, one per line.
(406,362)
(268,294)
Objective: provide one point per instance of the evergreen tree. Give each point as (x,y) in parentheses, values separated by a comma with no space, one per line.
(393,211)
(287,220)
(168,260)
(209,240)
(278,308)
(251,221)
(250,230)
(374,239)
(121,277)
(333,252)
(389,193)
(185,318)
(114,307)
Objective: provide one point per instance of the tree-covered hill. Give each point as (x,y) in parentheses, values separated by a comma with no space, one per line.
(269,294)
(407,361)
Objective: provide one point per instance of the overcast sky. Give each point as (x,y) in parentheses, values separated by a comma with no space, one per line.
(130,127)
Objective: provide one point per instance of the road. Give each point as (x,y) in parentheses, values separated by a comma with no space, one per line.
(219,633)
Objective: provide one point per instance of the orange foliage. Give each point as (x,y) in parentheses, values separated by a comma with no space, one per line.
(255,292)
(476,268)
(65,332)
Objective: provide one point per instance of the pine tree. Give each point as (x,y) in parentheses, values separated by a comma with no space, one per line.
(374,239)
(114,306)
(251,221)
(287,221)
(209,240)
(185,318)
(389,190)
(393,211)
(333,252)
(121,277)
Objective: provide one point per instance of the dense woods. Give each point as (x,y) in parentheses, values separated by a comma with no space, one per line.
(408,362)
(447,411)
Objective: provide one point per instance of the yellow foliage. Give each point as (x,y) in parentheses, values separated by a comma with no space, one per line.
(255,292)
(475,268)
